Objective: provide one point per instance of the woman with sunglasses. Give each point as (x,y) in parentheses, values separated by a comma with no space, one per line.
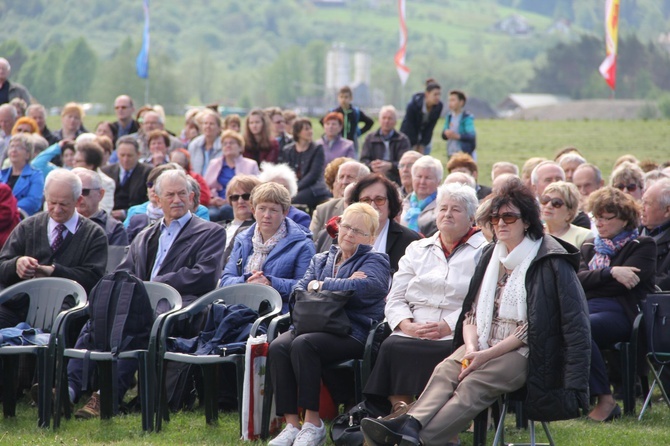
(222,169)
(617,271)
(296,360)
(238,194)
(524,322)
(560,205)
(628,178)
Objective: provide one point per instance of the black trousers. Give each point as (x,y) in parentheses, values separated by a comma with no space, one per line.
(296,363)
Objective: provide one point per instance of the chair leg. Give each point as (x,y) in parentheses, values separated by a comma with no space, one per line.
(531,430)
(209,373)
(45,379)
(628,379)
(358,380)
(480,428)
(239,375)
(161,396)
(545,426)
(267,406)
(106,377)
(9,368)
(146,392)
(62,400)
(500,431)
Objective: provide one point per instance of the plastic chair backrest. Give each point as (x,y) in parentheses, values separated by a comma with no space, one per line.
(115,255)
(164,295)
(249,294)
(46,298)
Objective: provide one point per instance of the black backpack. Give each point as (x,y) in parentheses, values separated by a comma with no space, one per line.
(120,314)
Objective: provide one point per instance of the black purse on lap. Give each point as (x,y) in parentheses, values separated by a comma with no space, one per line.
(321,312)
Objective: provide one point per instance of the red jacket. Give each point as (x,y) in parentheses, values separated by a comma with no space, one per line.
(9,213)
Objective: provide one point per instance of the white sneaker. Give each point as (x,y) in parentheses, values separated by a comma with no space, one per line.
(311,435)
(285,437)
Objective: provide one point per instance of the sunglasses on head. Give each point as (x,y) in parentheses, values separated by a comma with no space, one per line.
(629,187)
(236,197)
(508,217)
(555,202)
(87,192)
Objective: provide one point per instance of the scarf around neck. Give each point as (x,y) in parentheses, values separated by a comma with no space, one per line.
(513,301)
(415,209)
(262,249)
(607,248)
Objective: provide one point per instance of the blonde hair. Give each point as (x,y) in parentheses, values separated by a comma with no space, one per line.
(72,108)
(271,193)
(228,133)
(370,215)
(569,193)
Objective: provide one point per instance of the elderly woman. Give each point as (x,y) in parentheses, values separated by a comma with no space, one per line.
(27,184)
(524,321)
(183,158)
(334,146)
(259,144)
(418,208)
(307,160)
(221,170)
(382,194)
(274,251)
(426,298)
(560,205)
(284,175)
(71,117)
(238,194)
(617,271)
(331,178)
(25,125)
(628,178)
(158,142)
(295,360)
(207,146)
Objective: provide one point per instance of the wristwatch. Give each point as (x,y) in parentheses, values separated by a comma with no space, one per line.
(315,286)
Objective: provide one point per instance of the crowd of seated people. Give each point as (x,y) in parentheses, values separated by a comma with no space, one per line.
(463,273)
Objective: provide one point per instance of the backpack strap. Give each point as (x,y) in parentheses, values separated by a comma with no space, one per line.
(100,312)
(85,377)
(116,343)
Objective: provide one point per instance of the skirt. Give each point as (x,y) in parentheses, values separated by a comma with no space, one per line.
(404,365)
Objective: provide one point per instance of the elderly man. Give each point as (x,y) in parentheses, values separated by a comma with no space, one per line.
(129,175)
(56,243)
(383,149)
(39,114)
(656,224)
(8,118)
(180,250)
(149,122)
(548,172)
(588,179)
(405,170)
(348,173)
(124,109)
(10,90)
(90,155)
(92,193)
(502,167)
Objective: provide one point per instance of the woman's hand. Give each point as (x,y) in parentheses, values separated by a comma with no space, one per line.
(476,360)
(258,277)
(358,275)
(218,201)
(428,330)
(626,275)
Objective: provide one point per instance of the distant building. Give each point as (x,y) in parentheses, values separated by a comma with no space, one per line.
(330,3)
(339,72)
(514,25)
(522,101)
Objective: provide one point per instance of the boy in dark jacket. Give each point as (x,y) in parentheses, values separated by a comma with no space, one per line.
(353,116)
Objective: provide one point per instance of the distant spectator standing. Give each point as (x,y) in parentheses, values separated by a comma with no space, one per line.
(279,127)
(352,117)
(459,127)
(334,144)
(124,109)
(383,149)
(423,111)
(10,90)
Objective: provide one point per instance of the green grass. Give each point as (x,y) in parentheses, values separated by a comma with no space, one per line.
(190,428)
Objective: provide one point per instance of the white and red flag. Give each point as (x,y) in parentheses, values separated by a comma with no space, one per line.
(403,71)
(608,67)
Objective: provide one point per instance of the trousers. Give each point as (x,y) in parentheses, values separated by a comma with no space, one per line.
(447,406)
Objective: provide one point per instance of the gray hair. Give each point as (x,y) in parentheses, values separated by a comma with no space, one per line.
(161,117)
(96,180)
(11,109)
(627,171)
(387,108)
(534,174)
(127,139)
(462,178)
(461,193)
(64,176)
(85,137)
(428,162)
(39,142)
(595,169)
(664,185)
(571,157)
(26,141)
(505,165)
(39,107)
(196,190)
(653,177)
(272,172)
(362,168)
(170,176)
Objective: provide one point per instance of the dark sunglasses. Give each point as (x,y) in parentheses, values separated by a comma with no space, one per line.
(555,202)
(379,201)
(236,197)
(630,187)
(87,192)
(508,217)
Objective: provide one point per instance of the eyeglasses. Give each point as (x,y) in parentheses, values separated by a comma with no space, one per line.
(379,201)
(604,219)
(555,202)
(629,187)
(87,192)
(348,228)
(508,217)
(150,184)
(236,197)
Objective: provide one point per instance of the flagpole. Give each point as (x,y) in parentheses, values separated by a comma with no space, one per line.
(146,90)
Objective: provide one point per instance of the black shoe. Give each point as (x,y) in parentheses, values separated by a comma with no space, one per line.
(401,431)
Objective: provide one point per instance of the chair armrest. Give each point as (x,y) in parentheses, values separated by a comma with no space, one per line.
(370,344)
(278,325)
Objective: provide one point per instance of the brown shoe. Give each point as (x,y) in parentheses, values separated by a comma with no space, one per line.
(399,408)
(35,393)
(91,409)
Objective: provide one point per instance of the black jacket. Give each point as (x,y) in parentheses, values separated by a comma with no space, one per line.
(412,124)
(559,331)
(132,193)
(373,149)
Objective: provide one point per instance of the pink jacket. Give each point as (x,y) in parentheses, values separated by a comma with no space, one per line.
(242,166)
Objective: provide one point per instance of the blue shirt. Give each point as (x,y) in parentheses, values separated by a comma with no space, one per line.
(225,175)
(168,236)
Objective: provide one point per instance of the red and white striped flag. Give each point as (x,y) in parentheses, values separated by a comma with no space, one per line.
(608,67)
(403,71)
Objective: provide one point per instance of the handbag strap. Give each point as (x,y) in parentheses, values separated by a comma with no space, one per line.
(654,311)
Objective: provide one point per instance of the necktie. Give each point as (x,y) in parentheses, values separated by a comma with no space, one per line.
(126,175)
(58,240)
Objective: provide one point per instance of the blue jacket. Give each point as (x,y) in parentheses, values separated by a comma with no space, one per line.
(42,160)
(366,306)
(466,128)
(28,190)
(284,266)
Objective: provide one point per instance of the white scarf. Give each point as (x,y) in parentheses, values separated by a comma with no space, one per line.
(513,301)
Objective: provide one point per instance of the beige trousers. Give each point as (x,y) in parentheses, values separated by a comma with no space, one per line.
(446,407)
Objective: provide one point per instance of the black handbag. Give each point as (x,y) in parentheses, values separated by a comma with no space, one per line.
(321,312)
(656,309)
